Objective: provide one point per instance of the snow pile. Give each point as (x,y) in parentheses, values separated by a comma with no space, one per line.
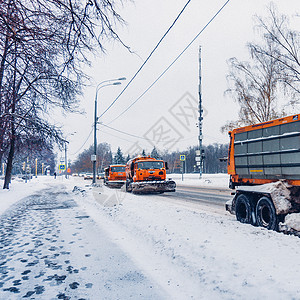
(279,192)
(291,223)
(280,195)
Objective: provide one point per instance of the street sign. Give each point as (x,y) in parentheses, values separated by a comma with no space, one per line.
(198,163)
(197,158)
(182,157)
(197,152)
(93,157)
(62,167)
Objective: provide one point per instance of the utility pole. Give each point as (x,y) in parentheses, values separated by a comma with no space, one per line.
(66,162)
(100,86)
(200,137)
(94,156)
(26,170)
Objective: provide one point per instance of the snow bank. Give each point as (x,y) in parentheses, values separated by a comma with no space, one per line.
(291,223)
(279,192)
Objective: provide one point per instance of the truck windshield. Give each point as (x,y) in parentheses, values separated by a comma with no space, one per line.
(150,165)
(117,169)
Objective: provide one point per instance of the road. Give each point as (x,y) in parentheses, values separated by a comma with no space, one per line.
(208,198)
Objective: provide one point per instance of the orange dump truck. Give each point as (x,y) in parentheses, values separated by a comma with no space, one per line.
(145,174)
(115,176)
(264,167)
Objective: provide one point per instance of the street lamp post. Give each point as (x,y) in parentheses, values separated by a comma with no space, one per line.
(66,162)
(100,86)
(66,157)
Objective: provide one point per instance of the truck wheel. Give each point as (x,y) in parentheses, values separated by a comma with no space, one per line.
(243,209)
(266,214)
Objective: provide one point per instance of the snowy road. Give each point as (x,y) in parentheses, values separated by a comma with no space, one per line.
(210,196)
(50,249)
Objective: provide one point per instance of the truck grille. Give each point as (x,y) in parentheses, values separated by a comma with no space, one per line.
(152,178)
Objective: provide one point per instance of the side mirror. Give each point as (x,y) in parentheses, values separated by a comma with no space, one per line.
(167,167)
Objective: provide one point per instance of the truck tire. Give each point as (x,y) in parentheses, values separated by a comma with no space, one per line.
(266,214)
(243,209)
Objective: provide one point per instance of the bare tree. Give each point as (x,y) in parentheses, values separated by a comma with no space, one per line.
(254,85)
(43,46)
(257,85)
(286,45)
(83,162)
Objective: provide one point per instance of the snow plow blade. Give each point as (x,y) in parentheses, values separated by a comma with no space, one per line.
(115,183)
(160,186)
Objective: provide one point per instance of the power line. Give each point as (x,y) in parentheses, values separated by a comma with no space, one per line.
(120,138)
(165,71)
(160,76)
(120,131)
(141,67)
(136,136)
(116,136)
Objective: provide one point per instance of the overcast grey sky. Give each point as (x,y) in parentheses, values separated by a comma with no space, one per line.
(165,116)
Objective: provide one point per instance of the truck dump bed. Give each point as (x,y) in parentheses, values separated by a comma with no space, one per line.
(265,152)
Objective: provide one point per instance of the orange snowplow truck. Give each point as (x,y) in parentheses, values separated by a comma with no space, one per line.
(264,163)
(115,176)
(145,174)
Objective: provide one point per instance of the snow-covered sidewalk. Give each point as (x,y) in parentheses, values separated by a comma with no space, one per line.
(185,252)
(50,249)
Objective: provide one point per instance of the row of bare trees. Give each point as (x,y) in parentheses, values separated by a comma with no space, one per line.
(212,163)
(43,47)
(272,73)
(83,162)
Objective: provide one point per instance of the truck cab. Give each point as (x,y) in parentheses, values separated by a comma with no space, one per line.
(115,175)
(146,170)
(147,174)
